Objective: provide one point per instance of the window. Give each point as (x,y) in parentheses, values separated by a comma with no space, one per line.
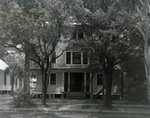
(68,57)
(78,34)
(20,82)
(76,58)
(53,78)
(85,59)
(99,79)
(33,75)
(16,82)
(53,57)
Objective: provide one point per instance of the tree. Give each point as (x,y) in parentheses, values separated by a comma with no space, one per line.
(109,37)
(36,31)
(143,27)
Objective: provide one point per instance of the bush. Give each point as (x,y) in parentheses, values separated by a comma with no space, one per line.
(22,99)
(139,93)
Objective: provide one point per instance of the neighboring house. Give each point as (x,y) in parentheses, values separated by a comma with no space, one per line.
(5,82)
(70,77)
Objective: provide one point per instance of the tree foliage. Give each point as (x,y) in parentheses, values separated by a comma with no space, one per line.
(109,36)
(36,31)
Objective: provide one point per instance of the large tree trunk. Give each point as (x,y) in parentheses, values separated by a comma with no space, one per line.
(44,90)
(26,78)
(12,83)
(104,79)
(45,78)
(122,85)
(91,82)
(147,68)
(145,31)
(109,72)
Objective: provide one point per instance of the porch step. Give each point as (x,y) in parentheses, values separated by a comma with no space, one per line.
(79,95)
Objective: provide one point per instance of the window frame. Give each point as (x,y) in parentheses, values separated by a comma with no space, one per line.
(55,79)
(69,57)
(78,34)
(82,57)
(73,59)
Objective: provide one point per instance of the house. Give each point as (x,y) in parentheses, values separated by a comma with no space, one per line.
(5,82)
(70,76)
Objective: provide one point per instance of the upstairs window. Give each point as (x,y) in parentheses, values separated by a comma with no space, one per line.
(99,79)
(76,58)
(68,57)
(53,78)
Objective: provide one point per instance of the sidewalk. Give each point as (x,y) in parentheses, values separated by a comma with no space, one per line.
(80,106)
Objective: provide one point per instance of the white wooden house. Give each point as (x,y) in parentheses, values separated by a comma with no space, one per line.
(70,76)
(5,85)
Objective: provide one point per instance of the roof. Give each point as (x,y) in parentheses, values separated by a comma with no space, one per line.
(3,65)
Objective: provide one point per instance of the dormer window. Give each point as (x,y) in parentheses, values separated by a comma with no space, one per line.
(78,34)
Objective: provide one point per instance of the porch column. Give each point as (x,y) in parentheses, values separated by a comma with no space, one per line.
(71,58)
(63,85)
(84,81)
(90,83)
(68,81)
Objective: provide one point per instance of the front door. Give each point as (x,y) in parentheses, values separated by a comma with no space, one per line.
(76,82)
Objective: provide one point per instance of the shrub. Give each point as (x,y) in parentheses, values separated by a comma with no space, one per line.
(139,93)
(22,99)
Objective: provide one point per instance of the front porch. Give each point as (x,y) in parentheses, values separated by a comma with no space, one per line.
(76,84)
